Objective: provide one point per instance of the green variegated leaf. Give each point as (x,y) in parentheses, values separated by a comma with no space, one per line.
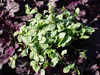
(77,10)
(67,68)
(64,52)
(26,39)
(54,61)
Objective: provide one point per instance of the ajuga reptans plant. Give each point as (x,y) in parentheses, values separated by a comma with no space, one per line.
(47,32)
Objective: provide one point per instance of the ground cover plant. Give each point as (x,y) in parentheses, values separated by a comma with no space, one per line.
(46,33)
(52,39)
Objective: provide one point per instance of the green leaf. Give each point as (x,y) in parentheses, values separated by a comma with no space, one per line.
(63,8)
(50,27)
(34,55)
(64,52)
(89,30)
(64,41)
(82,31)
(76,70)
(60,16)
(67,13)
(32,63)
(26,39)
(35,66)
(15,56)
(67,68)
(13,61)
(42,72)
(41,58)
(84,37)
(30,10)
(43,40)
(13,65)
(62,35)
(76,26)
(45,11)
(83,54)
(43,46)
(46,64)
(16,33)
(25,52)
(54,61)
(53,33)
(19,38)
(77,10)
(20,49)
(38,16)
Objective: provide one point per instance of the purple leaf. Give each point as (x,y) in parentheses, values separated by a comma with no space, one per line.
(12,7)
(26,18)
(10,51)
(16,45)
(1,50)
(84,1)
(4,58)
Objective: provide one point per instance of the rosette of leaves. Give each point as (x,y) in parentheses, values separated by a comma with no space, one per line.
(48,31)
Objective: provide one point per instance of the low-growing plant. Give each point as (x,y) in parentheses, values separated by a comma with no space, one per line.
(47,32)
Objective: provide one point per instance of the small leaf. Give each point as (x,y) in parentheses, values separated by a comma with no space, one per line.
(45,11)
(16,33)
(13,65)
(35,66)
(60,16)
(46,64)
(42,40)
(19,38)
(63,52)
(82,31)
(62,35)
(64,41)
(44,46)
(25,52)
(38,16)
(26,39)
(89,30)
(32,63)
(67,68)
(20,49)
(77,10)
(41,58)
(30,10)
(83,54)
(84,37)
(50,27)
(15,56)
(54,61)
(42,72)
(34,55)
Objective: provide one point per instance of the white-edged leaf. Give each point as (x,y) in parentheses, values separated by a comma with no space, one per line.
(41,58)
(26,39)
(19,38)
(64,52)
(16,33)
(62,35)
(44,46)
(54,61)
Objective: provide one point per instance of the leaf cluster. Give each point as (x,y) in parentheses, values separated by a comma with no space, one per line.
(48,31)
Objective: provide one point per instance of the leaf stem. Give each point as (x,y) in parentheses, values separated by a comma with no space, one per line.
(13,35)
